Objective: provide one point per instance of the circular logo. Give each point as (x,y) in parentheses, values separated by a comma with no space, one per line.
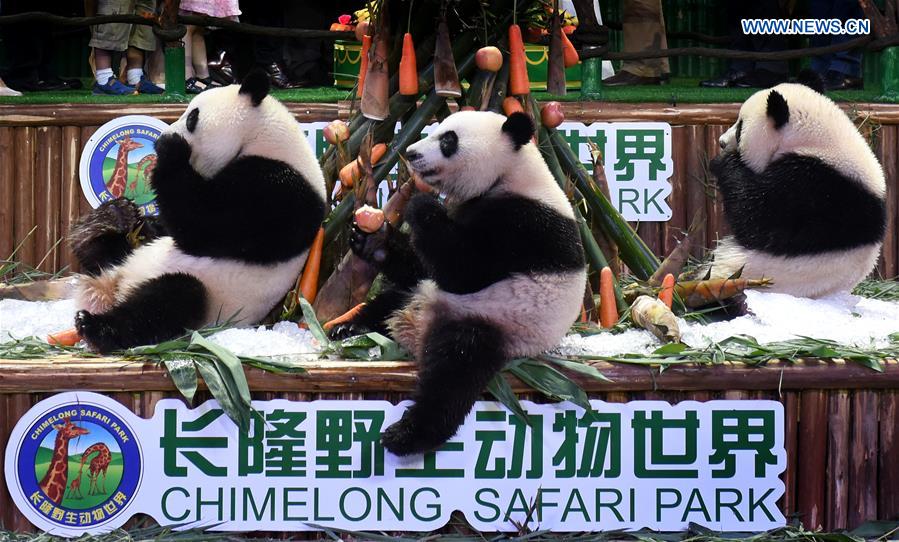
(118,159)
(74,464)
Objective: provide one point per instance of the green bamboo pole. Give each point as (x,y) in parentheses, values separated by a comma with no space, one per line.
(174,70)
(641,261)
(591,248)
(591,78)
(889,67)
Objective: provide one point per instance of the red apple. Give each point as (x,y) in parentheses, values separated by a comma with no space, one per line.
(489,59)
(336,131)
(551,115)
(361,30)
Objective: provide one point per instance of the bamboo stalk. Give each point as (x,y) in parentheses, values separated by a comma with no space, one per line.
(632,249)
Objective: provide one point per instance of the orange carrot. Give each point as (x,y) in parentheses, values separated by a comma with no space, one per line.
(69,337)
(350,173)
(309,279)
(363,64)
(343,318)
(666,294)
(608,310)
(512,105)
(408,72)
(518,69)
(568,50)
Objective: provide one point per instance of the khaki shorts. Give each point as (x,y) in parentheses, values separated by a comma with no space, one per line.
(120,36)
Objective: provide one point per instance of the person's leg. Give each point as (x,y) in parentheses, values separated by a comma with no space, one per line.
(643,27)
(189,52)
(198,46)
(141,41)
(820,9)
(847,63)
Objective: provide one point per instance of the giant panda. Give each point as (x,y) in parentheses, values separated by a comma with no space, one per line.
(496,273)
(803,193)
(241,198)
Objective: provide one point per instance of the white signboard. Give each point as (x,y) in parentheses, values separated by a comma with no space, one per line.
(303,465)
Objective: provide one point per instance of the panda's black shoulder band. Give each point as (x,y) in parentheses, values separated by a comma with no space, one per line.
(520,128)
(256,84)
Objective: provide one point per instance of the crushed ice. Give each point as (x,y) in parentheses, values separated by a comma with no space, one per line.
(844,318)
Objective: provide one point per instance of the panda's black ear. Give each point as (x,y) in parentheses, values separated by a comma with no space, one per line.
(256,85)
(811,79)
(520,128)
(778,109)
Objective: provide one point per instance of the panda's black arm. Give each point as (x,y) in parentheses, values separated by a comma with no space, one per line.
(800,205)
(442,245)
(390,250)
(173,176)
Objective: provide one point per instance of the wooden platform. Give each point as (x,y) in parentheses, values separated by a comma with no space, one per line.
(842,419)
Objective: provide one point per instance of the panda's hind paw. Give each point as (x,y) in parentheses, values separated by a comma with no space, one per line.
(96,332)
(407,437)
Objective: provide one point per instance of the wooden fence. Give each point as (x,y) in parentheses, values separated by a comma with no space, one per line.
(841,419)
(40,148)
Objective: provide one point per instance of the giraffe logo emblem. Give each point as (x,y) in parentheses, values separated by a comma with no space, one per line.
(74,463)
(118,161)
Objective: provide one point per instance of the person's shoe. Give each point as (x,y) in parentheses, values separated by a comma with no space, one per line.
(35,85)
(623,78)
(113,87)
(145,86)
(6,91)
(277,77)
(220,70)
(726,80)
(64,83)
(834,80)
(760,79)
(196,85)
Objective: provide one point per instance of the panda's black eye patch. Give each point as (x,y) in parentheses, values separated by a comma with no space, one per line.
(449,143)
(192,119)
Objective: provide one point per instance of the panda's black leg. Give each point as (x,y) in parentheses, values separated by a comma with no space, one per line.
(373,315)
(100,239)
(460,357)
(159,309)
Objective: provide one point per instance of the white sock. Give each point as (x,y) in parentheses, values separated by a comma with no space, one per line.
(134,75)
(104,75)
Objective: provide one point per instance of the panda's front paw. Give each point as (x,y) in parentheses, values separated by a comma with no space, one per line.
(96,331)
(347,330)
(423,210)
(371,247)
(172,148)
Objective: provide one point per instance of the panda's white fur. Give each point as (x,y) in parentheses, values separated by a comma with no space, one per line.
(534,310)
(230,126)
(237,291)
(818,129)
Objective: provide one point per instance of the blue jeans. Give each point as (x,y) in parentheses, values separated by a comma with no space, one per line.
(848,63)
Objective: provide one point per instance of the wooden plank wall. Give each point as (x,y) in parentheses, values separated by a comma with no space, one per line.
(841,446)
(40,150)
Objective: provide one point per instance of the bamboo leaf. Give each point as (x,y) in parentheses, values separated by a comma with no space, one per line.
(500,389)
(229,362)
(390,350)
(239,414)
(576,366)
(314,326)
(551,383)
(184,375)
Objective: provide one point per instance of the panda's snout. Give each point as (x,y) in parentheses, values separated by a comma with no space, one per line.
(722,142)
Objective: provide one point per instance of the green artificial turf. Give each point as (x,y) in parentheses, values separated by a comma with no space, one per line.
(678,91)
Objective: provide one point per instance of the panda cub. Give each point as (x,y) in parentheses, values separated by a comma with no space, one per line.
(803,193)
(241,197)
(497,273)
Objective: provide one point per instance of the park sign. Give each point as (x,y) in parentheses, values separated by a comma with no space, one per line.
(636,158)
(82,463)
